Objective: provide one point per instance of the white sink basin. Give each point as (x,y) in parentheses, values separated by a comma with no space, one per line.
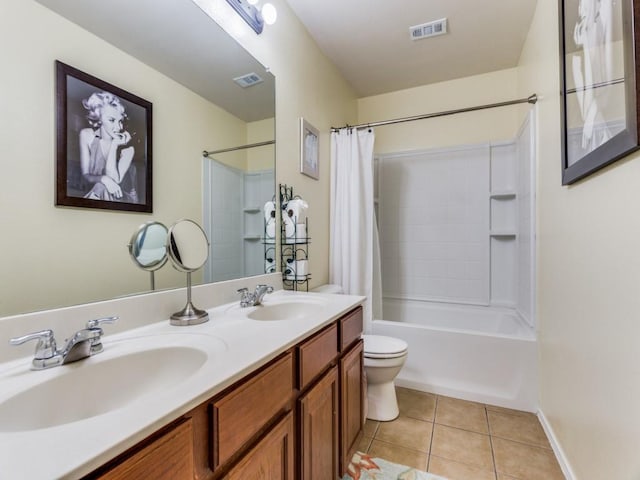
(286,309)
(111,380)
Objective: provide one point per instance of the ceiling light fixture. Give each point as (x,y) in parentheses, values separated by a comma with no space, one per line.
(254,15)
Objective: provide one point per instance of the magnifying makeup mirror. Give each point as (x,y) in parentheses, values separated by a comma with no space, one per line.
(188,249)
(147,248)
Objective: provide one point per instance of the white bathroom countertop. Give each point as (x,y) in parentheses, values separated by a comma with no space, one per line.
(237,345)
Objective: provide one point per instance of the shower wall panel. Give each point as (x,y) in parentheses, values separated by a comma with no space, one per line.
(222,221)
(504,224)
(258,189)
(525,301)
(434,224)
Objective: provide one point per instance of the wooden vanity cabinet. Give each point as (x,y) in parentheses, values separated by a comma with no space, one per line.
(318,419)
(351,403)
(316,354)
(271,458)
(350,329)
(239,415)
(351,374)
(299,416)
(330,413)
(166,457)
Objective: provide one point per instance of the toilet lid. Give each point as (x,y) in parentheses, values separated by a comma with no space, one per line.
(377,346)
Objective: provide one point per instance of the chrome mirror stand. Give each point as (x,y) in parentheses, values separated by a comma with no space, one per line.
(188,248)
(189,315)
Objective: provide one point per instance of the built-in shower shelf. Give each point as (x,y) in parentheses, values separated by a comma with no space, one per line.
(502,233)
(503,303)
(253,237)
(503,195)
(251,209)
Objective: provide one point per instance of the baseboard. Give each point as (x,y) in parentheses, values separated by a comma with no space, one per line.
(472,396)
(557,449)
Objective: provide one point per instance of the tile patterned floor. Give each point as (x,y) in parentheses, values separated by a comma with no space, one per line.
(462,440)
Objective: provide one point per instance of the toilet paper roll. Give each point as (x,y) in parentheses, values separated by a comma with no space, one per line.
(291,266)
(290,269)
(271,230)
(289,228)
(269,211)
(269,265)
(301,232)
(302,268)
(296,209)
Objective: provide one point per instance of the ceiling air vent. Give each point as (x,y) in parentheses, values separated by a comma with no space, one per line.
(248,80)
(431,29)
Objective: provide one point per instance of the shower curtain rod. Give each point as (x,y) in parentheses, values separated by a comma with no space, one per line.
(531,99)
(241,147)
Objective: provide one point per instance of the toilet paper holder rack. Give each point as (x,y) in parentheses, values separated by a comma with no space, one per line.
(294,242)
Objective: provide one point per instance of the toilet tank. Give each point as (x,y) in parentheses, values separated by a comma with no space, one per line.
(328,288)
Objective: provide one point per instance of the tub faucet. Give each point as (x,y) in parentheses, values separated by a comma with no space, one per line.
(82,344)
(248,299)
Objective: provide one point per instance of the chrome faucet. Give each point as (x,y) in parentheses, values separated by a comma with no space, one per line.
(248,299)
(82,344)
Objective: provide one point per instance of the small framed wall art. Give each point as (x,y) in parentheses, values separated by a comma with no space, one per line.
(309,160)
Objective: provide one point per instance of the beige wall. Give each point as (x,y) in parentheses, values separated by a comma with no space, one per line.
(55,256)
(256,158)
(462,129)
(309,86)
(588,286)
(260,158)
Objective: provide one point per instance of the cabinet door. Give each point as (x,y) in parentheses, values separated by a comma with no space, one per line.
(319,429)
(271,458)
(351,403)
(169,457)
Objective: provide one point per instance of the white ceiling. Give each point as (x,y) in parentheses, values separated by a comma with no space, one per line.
(178,39)
(369,42)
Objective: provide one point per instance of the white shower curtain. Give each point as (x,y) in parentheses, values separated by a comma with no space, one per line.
(354,253)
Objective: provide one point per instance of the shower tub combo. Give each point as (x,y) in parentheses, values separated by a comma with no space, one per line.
(483,354)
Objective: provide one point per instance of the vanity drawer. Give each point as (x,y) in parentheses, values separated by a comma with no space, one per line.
(243,412)
(169,457)
(350,328)
(315,355)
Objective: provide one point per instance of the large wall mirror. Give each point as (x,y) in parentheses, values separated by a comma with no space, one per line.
(172,54)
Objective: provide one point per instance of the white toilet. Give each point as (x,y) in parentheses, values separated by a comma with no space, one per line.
(383,359)
(328,288)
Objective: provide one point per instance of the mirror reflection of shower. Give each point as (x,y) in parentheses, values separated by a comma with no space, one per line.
(236,186)
(147,248)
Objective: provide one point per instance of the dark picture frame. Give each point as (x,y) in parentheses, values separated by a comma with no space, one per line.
(103,144)
(599,74)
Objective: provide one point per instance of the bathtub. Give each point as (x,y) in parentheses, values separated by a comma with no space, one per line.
(483,354)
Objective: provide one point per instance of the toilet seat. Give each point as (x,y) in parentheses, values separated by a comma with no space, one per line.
(380,346)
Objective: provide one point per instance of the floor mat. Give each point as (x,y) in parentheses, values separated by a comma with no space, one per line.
(365,467)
